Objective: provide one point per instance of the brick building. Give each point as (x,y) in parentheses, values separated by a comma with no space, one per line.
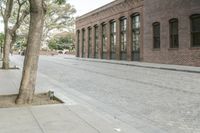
(158,31)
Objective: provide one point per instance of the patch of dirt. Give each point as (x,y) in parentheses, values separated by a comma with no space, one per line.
(11,68)
(8,101)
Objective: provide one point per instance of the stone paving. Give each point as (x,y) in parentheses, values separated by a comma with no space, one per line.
(70,117)
(150,100)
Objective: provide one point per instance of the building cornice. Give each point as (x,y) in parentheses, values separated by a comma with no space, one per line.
(102,8)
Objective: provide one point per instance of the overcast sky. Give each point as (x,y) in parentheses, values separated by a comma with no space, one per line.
(82,7)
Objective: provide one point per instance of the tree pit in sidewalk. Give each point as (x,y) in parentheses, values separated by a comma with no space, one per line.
(8,101)
(11,68)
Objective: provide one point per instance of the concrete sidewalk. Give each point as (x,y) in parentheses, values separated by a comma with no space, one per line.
(71,117)
(58,119)
(180,68)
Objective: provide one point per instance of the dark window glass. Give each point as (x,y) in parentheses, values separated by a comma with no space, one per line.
(104,37)
(78,41)
(113,35)
(96,39)
(195,30)
(78,38)
(83,42)
(136,32)
(156,35)
(89,41)
(174,39)
(123,29)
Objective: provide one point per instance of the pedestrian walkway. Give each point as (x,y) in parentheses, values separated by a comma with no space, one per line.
(57,119)
(70,117)
(181,68)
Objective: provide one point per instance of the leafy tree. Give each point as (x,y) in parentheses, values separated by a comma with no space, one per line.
(59,16)
(28,81)
(20,43)
(60,42)
(19,14)
(53,44)
(27,86)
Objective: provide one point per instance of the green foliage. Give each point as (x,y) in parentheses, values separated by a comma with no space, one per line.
(53,45)
(61,43)
(1,39)
(59,16)
(20,43)
(60,2)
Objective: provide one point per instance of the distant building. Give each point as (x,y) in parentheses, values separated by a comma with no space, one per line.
(157,31)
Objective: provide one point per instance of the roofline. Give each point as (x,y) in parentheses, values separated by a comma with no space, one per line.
(104,7)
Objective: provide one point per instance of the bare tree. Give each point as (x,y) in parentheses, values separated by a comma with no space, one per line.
(28,81)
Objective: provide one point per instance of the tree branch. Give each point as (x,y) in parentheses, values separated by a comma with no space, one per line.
(2,14)
(8,10)
(19,9)
(19,21)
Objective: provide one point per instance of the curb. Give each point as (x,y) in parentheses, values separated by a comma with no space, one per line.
(137,65)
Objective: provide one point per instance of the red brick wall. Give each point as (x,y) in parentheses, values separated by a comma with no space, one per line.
(150,11)
(112,11)
(162,11)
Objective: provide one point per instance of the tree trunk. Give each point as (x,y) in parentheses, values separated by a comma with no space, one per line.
(6,49)
(7,38)
(1,52)
(28,82)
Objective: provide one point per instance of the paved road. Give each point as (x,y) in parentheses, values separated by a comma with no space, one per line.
(153,101)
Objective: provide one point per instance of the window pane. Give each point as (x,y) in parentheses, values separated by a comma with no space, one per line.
(195,21)
(174,27)
(78,41)
(113,27)
(123,28)
(156,42)
(83,42)
(136,32)
(89,41)
(196,39)
(196,24)
(125,24)
(113,36)
(96,39)
(174,42)
(78,38)
(104,38)
(136,22)
(157,30)
(156,35)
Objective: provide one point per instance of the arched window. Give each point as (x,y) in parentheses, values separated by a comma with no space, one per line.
(113,35)
(104,37)
(83,42)
(96,40)
(195,30)
(156,35)
(173,31)
(123,34)
(78,42)
(135,32)
(89,42)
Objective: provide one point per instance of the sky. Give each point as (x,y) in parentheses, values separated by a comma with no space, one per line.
(82,7)
(85,6)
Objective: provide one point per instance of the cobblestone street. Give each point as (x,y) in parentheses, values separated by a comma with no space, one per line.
(150,100)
